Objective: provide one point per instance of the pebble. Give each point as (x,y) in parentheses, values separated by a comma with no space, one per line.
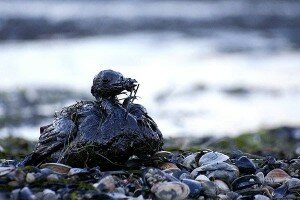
(212,158)
(52,178)
(171,190)
(30,178)
(49,195)
(276,177)
(106,184)
(175,176)
(245,165)
(57,167)
(195,188)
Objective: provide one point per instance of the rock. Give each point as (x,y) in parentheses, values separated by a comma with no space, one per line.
(222,186)
(293,185)
(30,178)
(52,178)
(294,168)
(49,195)
(190,161)
(106,184)
(261,197)
(212,158)
(153,176)
(201,178)
(245,165)
(46,171)
(5,170)
(247,181)
(15,194)
(261,177)
(276,177)
(77,171)
(57,167)
(210,189)
(222,171)
(26,194)
(195,188)
(170,190)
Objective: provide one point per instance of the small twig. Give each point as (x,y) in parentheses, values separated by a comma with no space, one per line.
(135,91)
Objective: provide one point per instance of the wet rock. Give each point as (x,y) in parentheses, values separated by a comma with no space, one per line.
(268,191)
(183,175)
(210,189)
(293,185)
(261,177)
(52,178)
(280,191)
(223,197)
(250,192)
(168,166)
(80,174)
(152,176)
(294,168)
(16,177)
(46,171)
(163,156)
(15,194)
(57,167)
(49,195)
(106,184)
(170,190)
(26,194)
(201,178)
(232,195)
(222,186)
(247,181)
(212,158)
(177,173)
(195,188)
(222,171)
(245,165)
(30,178)
(190,161)
(272,163)
(276,177)
(261,197)
(5,170)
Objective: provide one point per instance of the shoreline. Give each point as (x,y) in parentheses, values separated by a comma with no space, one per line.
(259,165)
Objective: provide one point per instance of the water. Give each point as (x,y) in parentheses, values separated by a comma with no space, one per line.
(184,72)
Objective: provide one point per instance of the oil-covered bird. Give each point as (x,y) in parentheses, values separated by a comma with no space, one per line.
(104,132)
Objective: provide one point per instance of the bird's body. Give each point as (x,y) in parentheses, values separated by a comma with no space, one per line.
(97,133)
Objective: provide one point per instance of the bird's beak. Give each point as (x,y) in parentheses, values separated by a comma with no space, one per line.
(126,84)
(130,84)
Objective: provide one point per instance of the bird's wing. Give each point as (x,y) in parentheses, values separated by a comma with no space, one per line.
(142,116)
(55,136)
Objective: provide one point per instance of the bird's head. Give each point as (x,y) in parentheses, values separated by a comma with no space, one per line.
(109,83)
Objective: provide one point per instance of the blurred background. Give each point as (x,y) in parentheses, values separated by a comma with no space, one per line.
(205,67)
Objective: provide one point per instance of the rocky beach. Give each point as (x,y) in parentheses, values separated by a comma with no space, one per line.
(219,79)
(263,165)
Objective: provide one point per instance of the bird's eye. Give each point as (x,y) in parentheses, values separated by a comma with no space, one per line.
(105,80)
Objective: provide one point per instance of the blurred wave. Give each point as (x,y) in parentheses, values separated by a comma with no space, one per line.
(277,21)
